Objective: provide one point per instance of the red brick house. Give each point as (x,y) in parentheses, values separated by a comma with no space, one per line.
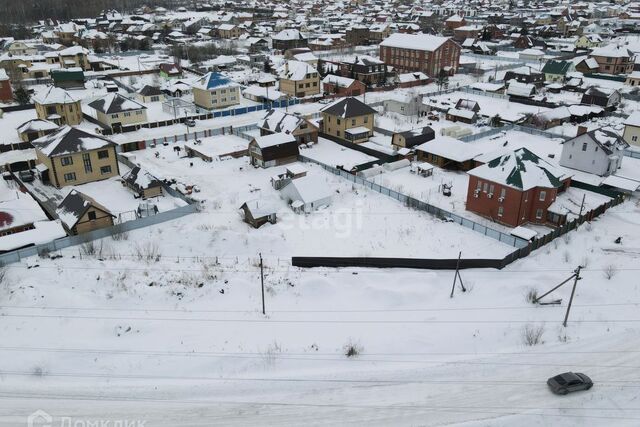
(420,52)
(6,92)
(342,86)
(613,59)
(516,188)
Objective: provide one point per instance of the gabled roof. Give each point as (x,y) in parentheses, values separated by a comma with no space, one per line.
(280,121)
(149,90)
(115,103)
(140,179)
(556,67)
(424,42)
(520,169)
(277,145)
(68,140)
(606,139)
(347,108)
(36,125)
(74,206)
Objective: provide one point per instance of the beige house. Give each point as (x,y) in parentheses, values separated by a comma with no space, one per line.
(348,119)
(229,31)
(631,134)
(299,79)
(80,213)
(213,90)
(70,156)
(58,106)
(116,111)
(275,121)
(150,94)
(34,129)
(589,41)
(76,56)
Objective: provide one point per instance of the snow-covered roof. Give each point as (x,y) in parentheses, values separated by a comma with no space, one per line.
(115,103)
(260,208)
(449,148)
(74,206)
(612,51)
(295,70)
(347,108)
(54,95)
(310,188)
(274,139)
(36,125)
(424,42)
(280,121)
(520,169)
(213,80)
(68,140)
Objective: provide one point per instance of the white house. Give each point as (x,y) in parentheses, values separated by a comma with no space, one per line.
(598,152)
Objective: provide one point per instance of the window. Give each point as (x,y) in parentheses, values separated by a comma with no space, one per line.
(634,138)
(105,170)
(155,98)
(479,185)
(353,122)
(337,133)
(338,121)
(584,146)
(66,161)
(543,195)
(51,109)
(485,187)
(69,177)
(127,114)
(366,119)
(500,210)
(538,213)
(103,154)
(491,188)
(86,160)
(503,193)
(114,116)
(91,215)
(139,113)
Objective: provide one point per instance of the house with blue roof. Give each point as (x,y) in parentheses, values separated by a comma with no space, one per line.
(215,90)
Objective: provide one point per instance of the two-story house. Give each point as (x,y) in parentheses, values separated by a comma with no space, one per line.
(348,119)
(71,156)
(116,111)
(278,121)
(58,106)
(599,151)
(299,79)
(213,90)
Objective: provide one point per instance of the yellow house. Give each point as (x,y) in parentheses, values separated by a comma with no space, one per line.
(589,41)
(70,156)
(348,119)
(299,79)
(76,56)
(34,129)
(213,90)
(58,106)
(631,134)
(116,111)
(80,213)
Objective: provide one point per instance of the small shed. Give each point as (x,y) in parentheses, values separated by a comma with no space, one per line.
(307,194)
(80,213)
(142,183)
(424,169)
(258,212)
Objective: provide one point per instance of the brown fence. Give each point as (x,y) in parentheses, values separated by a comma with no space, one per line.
(419,263)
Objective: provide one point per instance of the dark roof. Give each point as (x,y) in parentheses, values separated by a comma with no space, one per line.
(347,108)
(149,90)
(140,179)
(115,103)
(171,68)
(556,67)
(416,136)
(75,205)
(68,140)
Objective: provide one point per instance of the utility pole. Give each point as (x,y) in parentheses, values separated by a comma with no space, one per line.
(262,283)
(573,291)
(456,276)
(581,206)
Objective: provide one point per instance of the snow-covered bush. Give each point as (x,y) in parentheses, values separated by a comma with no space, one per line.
(532,295)
(147,251)
(532,334)
(352,348)
(610,271)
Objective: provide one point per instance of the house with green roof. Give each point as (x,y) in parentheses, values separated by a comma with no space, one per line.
(516,188)
(556,71)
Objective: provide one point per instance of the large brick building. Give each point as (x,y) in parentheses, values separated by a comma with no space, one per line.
(420,52)
(516,188)
(613,59)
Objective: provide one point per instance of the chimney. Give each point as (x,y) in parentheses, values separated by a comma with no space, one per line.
(286,67)
(581,130)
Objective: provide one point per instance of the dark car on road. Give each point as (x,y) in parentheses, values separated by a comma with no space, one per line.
(569,382)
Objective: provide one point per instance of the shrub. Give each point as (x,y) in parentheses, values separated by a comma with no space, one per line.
(532,334)
(352,349)
(532,296)
(610,271)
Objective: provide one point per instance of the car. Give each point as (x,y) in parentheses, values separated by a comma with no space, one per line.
(26,176)
(569,382)
(190,122)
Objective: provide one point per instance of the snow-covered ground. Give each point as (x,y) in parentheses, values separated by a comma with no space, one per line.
(159,341)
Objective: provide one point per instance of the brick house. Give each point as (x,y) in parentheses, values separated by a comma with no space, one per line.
(515,189)
(342,86)
(421,52)
(365,68)
(348,119)
(613,59)
(6,92)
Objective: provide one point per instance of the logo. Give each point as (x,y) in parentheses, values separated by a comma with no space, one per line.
(39,419)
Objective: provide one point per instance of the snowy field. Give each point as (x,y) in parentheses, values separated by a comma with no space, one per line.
(159,341)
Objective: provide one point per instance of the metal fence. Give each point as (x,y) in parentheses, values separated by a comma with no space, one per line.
(632,153)
(425,207)
(65,242)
